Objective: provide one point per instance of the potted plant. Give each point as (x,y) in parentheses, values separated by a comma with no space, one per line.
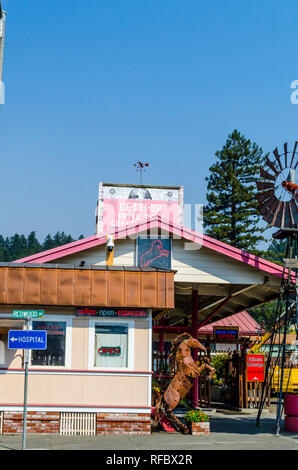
(198,422)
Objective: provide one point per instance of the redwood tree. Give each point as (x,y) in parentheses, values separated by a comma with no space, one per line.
(232,214)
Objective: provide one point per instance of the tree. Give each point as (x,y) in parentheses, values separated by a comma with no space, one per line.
(232,214)
(276,251)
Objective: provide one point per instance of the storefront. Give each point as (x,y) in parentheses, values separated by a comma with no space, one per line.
(95,375)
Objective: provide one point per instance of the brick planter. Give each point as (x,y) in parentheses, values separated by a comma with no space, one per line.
(200,429)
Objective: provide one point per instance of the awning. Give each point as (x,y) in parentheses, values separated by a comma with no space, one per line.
(73,285)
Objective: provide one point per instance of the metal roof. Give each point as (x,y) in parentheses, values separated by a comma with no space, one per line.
(246,324)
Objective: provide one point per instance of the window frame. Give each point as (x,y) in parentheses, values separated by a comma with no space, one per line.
(130,324)
(68,339)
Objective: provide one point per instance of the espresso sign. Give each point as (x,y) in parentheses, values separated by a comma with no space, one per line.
(229,333)
(111,312)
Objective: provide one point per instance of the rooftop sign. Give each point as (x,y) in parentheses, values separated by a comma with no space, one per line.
(122,205)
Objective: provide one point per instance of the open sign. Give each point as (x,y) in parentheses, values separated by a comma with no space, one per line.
(113,351)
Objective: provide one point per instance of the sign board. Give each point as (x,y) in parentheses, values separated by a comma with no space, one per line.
(121,205)
(225,333)
(155,252)
(111,312)
(27,339)
(27,313)
(109,351)
(255,367)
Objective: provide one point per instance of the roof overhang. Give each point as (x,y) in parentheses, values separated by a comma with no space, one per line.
(69,285)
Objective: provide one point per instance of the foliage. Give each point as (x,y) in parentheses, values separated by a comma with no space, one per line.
(196,416)
(18,246)
(265,314)
(232,214)
(218,362)
(276,251)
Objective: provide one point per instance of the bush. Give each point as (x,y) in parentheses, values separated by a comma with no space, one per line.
(196,416)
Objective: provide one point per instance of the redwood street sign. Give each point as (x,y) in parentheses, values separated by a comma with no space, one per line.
(27,313)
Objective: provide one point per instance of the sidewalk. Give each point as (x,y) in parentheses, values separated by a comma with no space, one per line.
(228,432)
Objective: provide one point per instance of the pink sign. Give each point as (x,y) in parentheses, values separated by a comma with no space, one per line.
(120,213)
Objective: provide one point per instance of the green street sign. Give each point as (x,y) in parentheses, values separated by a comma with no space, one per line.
(27,313)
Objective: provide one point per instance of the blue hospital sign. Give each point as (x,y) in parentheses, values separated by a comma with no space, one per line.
(27,339)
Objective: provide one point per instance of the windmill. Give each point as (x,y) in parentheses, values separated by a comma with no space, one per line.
(278,203)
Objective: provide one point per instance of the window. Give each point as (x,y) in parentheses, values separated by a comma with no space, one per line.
(54,355)
(111,346)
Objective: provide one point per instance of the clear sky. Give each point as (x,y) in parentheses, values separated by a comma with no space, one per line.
(93,86)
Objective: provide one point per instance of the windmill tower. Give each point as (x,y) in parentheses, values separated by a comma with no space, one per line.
(2,35)
(278,203)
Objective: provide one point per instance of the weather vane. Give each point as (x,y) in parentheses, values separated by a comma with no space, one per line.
(141,167)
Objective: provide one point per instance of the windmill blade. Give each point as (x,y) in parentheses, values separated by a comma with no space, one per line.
(267,176)
(262,197)
(294,210)
(286,154)
(269,205)
(263,185)
(271,165)
(288,216)
(293,154)
(270,215)
(277,216)
(277,156)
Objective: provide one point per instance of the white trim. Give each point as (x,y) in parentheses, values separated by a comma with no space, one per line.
(74,409)
(68,340)
(150,357)
(96,372)
(130,323)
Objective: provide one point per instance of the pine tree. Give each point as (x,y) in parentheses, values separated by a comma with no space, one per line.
(231,214)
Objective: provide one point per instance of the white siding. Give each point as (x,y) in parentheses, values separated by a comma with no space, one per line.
(198,266)
(124,255)
(206,266)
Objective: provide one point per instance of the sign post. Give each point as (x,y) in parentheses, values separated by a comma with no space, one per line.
(26,339)
(26,364)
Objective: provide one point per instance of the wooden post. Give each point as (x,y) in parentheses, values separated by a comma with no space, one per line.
(194,327)
(161,343)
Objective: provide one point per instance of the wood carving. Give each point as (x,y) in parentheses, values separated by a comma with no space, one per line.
(186,371)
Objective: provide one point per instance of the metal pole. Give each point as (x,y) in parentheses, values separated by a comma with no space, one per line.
(2,35)
(194,325)
(26,362)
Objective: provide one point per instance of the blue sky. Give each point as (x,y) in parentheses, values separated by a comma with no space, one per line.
(93,86)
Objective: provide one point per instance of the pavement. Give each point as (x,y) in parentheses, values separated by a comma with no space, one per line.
(230,430)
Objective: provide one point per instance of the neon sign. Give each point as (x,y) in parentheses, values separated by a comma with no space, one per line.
(109,351)
(230,333)
(111,312)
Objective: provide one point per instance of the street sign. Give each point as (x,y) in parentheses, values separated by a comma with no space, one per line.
(27,313)
(27,339)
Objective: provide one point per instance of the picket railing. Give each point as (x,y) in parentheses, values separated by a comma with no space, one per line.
(78,424)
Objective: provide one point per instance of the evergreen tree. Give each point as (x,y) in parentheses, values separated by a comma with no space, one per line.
(18,246)
(276,251)
(33,245)
(232,214)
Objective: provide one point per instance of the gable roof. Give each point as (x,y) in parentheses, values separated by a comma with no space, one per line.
(156,223)
(246,324)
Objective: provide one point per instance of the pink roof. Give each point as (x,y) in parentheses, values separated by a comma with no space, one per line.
(246,324)
(156,222)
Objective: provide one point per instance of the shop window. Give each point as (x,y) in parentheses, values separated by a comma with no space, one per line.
(111,346)
(54,355)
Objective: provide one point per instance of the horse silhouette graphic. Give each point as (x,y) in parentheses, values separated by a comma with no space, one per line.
(156,251)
